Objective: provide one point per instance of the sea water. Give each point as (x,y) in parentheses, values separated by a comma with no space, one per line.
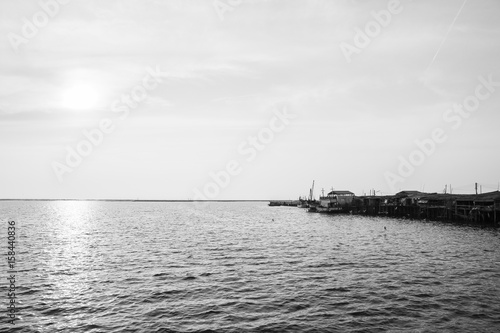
(90,266)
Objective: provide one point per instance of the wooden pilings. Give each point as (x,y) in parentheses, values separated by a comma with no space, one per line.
(483,209)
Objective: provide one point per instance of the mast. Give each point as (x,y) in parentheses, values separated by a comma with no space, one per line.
(311,192)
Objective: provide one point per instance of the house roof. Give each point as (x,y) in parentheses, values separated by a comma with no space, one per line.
(340,193)
(490,196)
(409,193)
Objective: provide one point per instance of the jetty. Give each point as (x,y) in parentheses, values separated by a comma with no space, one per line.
(481,209)
(291,203)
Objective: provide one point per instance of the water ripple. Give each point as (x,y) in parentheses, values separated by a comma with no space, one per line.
(167,267)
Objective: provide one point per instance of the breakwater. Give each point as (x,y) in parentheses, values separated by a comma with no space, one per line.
(482,209)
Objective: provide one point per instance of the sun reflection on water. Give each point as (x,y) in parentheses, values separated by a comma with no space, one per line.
(71,254)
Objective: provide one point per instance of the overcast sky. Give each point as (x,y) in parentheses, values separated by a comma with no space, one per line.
(325,90)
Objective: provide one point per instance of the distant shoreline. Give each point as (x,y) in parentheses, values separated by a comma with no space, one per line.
(130,200)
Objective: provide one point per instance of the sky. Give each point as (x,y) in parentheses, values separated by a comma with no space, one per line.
(150,99)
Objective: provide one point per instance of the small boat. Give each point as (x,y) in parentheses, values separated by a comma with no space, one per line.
(326,210)
(312,209)
(303,204)
(321,209)
(336,209)
(308,202)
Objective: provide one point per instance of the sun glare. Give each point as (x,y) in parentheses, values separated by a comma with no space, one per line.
(80,97)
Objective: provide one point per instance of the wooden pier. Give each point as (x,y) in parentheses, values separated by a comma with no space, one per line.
(481,209)
(291,203)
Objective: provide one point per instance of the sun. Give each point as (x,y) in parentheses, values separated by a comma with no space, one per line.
(80,97)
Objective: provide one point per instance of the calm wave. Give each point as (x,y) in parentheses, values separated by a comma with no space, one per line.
(246,267)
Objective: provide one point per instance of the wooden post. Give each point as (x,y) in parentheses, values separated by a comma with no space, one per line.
(495,213)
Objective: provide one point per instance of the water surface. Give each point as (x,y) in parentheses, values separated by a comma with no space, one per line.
(246,267)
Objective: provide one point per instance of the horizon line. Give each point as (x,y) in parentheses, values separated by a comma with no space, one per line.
(227,200)
(149,200)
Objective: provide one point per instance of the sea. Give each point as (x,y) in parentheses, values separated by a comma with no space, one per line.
(95,266)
